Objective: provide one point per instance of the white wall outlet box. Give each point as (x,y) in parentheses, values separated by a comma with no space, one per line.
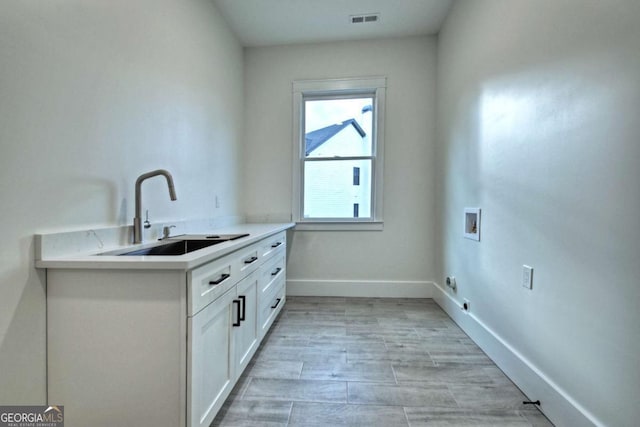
(527,277)
(472,223)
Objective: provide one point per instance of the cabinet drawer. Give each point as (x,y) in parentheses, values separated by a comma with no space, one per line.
(271,291)
(209,282)
(272,245)
(246,260)
(270,304)
(271,271)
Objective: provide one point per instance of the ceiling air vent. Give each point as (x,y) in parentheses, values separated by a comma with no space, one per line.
(364,19)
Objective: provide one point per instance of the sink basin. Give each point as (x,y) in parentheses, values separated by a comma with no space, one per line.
(223,237)
(186,244)
(179,247)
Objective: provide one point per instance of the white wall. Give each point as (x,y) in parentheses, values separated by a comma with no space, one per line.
(538,106)
(405,249)
(92,94)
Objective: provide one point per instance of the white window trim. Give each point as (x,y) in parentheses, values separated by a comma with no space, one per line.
(303,88)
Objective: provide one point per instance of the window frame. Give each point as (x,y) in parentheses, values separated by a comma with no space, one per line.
(330,89)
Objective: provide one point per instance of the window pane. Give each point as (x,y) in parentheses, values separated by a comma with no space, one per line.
(329,191)
(338,127)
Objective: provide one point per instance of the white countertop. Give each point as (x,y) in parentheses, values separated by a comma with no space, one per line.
(94,260)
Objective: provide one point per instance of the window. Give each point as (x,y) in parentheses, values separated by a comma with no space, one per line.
(338,149)
(356,176)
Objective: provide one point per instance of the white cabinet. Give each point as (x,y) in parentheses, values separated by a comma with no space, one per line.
(245,330)
(271,291)
(242,286)
(210,367)
(222,339)
(159,348)
(271,286)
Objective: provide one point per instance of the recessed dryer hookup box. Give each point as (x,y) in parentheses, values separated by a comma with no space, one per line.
(472,223)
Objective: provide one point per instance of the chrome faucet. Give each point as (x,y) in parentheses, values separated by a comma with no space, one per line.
(137,221)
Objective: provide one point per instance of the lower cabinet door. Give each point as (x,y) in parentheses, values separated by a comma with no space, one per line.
(209,365)
(245,334)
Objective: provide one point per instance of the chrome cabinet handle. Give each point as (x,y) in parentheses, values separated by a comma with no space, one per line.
(251,260)
(277,302)
(222,278)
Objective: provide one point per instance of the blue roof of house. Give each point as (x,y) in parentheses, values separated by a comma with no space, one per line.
(318,137)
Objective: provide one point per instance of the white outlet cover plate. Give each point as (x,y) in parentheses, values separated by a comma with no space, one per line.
(527,277)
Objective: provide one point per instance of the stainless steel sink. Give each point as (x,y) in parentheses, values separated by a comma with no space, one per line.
(179,247)
(223,237)
(186,244)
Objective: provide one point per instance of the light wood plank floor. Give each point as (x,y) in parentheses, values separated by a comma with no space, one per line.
(372,362)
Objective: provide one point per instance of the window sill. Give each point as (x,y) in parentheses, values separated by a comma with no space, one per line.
(339,226)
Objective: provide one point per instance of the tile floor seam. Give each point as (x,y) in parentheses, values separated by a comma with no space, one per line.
(406,416)
(290,413)
(301,369)
(395,376)
(348,403)
(453,396)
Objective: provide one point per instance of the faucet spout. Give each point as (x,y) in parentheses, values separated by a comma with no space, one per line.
(137,221)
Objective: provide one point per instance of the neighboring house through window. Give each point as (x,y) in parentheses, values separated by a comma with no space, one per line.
(356,175)
(338,148)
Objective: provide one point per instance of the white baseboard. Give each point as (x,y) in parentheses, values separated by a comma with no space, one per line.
(360,288)
(557,405)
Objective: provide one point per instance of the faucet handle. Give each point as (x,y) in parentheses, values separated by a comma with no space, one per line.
(147,224)
(166,230)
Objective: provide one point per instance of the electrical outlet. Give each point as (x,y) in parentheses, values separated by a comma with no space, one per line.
(527,277)
(466,305)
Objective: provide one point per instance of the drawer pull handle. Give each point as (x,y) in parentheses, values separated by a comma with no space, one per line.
(251,260)
(277,302)
(244,307)
(275,245)
(237,301)
(275,273)
(222,278)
